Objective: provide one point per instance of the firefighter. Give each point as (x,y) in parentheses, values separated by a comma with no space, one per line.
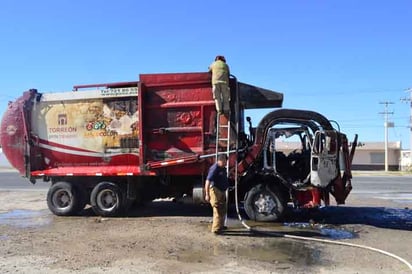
(215,192)
(220,84)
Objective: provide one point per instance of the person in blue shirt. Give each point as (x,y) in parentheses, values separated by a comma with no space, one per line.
(215,192)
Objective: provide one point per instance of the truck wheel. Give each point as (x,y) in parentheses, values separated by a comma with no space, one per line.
(64,199)
(107,199)
(264,205)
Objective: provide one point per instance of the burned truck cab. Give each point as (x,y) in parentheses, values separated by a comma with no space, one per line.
(287,152)
(301,159)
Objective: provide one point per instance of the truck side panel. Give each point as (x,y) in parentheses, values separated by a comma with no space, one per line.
(177,116)
(88,132)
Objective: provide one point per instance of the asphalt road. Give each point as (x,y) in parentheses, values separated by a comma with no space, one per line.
(394,188)
(390,184)
(13,181)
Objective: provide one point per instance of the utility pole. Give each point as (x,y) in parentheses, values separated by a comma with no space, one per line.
(387,124)
(410,121)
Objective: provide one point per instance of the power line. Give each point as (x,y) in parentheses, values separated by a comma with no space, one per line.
(370,119)
(345,92)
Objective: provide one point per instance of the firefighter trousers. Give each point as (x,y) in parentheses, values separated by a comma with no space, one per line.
(221,95)
(218,203)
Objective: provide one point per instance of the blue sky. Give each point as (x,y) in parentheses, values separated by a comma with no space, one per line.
(340,58)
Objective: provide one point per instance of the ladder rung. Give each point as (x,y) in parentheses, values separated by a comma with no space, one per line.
(223,142)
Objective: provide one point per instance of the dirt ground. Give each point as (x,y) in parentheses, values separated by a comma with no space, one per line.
(174,238)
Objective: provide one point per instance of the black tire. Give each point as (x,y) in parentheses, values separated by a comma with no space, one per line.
(262,204)
(107,199)
(64,199)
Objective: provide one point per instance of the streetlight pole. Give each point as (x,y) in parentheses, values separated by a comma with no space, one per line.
(386,125)
(410,122)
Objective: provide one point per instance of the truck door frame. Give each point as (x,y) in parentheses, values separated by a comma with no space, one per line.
(324,157)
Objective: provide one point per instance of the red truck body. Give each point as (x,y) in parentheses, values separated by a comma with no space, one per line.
(108,145)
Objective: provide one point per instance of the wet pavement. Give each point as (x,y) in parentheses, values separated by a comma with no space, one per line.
(284,254)
(326,230)
(26,218)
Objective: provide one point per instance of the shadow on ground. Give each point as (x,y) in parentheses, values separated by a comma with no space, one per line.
(162,208)
(382,217)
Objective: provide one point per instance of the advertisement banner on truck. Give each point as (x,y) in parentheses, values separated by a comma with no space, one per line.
(95,124)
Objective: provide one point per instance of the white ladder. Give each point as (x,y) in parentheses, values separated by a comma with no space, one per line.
(223,140)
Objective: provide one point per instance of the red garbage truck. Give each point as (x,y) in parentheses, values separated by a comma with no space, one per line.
(110,145)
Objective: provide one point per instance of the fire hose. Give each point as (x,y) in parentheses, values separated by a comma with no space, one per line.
(288,236)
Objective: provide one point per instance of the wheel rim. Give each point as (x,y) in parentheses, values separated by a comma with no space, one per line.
(107,200)
(62,199)
(265,203)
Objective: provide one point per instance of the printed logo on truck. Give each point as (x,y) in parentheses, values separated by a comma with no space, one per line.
(96,125)
(62,130)
(62,119)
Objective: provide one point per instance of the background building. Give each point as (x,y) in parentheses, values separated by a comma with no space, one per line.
(371,156)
